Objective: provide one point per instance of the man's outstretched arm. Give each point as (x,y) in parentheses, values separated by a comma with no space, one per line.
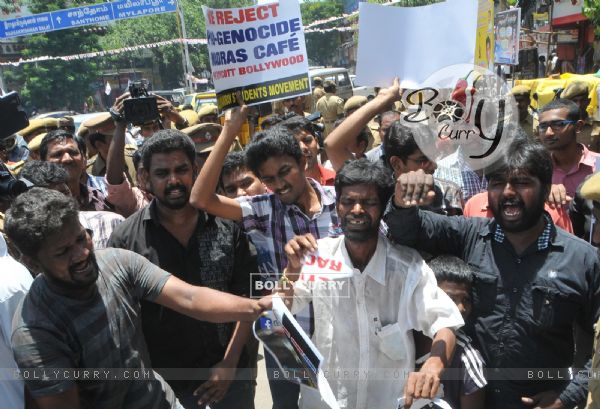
(206,304)
(337,142)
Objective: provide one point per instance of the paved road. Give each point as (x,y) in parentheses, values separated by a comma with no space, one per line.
(262,399)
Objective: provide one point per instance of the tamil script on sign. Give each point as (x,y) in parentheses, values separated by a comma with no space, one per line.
(83,16)
(258,50)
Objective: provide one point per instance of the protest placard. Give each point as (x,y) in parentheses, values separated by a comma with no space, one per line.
(295,354)
(258,50)
(508,27)
(413,42)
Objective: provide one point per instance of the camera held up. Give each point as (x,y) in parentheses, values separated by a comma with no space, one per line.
(141,108)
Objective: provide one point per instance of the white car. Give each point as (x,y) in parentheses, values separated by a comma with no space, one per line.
(361,89)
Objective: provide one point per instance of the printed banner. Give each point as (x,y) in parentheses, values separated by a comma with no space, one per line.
(508,27)
(297,357)
(258,50)
(484,50)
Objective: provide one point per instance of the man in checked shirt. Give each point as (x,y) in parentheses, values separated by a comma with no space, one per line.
(296,205)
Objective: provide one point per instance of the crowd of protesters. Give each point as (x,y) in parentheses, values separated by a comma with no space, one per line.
(138,247)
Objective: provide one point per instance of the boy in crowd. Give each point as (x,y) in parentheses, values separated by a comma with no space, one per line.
(464,380)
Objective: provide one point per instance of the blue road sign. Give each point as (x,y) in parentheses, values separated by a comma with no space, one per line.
(83,16)
(130,9)
(22,26)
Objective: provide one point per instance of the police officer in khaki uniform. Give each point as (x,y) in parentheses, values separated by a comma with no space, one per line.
(578,92)
(318,92)
(190,116)
(99,131)
(521,93)
(208,113)
(331,107)
(45,125)
(34,147)
(204,137)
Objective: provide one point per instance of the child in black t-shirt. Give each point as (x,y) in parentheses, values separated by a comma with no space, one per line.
(463,380)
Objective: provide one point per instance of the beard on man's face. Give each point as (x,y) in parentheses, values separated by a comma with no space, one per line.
(514,216)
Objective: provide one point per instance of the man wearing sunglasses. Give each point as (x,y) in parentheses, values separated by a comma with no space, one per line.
(559,126)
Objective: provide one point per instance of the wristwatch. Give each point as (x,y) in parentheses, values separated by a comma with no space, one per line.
(116,116)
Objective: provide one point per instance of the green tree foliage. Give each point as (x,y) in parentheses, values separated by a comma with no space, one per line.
(320,46)
(7,6)
(151,29)
(56,85)
(592,11)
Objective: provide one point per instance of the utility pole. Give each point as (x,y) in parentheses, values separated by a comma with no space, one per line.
(549,37)
(188,69)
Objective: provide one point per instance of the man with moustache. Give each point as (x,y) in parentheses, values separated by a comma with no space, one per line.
(534,281)
(83,311)
(367,320)
(202,250)
(61,147)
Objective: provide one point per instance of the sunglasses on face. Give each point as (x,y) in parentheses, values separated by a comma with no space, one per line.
(555,125)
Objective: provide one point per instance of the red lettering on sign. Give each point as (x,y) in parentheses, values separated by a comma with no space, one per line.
(322,262)
(264,12)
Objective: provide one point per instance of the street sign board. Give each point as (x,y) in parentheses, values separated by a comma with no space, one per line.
(83,16)
(130,9)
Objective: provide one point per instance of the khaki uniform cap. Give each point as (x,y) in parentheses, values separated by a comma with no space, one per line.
(208,109)
(204,136)
(101,123)
(98,121)
(35,143)
(520,90)
(83,131)
(575,89)
(190,116)
(355,102)
(36,124)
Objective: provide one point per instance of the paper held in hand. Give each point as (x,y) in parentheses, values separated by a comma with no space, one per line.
(412,43)
(297,357)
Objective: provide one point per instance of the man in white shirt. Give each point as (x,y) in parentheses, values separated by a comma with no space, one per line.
(15,281)
(365,322)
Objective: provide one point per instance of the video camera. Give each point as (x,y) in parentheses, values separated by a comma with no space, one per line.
(318,127)
(10,187)
(141,108)
(12,117)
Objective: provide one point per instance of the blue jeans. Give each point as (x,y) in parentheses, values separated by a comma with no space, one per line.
(284,393)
